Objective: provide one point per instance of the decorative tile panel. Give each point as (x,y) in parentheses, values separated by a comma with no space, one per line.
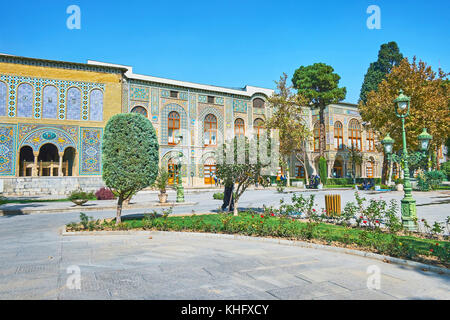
(91,151)
(50,102)
(183,95)
(193,106)
(36,136)
(155,101)
(165,93)
(229,112)
(202,99)
(139,93)
(218,100)
(7,150)
(96,105)
(239,105)
(25,99)
(37,101)
(3,98)
(73,104)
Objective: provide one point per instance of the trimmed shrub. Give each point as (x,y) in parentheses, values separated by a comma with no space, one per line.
(130,156)
(105,194)
(218,196)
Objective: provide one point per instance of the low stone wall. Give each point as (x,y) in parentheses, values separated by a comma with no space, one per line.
(28,186)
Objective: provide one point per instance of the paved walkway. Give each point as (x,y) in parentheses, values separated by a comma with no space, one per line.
(35,257)
(178,266)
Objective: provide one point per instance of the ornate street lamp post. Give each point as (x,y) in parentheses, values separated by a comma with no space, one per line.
(180,189)
(408,204)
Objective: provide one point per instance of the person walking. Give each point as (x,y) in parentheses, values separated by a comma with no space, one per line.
(228,198)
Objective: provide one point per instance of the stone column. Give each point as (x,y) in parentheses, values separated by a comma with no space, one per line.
(60,173)
(34,172)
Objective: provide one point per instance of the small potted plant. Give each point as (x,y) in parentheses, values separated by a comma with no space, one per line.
(161,183)
(79,197)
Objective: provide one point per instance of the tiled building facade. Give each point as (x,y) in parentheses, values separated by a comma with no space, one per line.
(52,116)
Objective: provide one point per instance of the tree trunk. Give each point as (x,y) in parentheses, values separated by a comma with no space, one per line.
(384,170)
(288,174)
(322,131)
(119,210)
(235,204)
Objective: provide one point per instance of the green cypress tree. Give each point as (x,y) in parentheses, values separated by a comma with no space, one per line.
(130,156)
(388,57)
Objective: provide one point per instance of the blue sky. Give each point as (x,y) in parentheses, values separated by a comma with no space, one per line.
(228,43)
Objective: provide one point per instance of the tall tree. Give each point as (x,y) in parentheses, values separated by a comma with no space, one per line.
(430,104)
(388,56)
(287,117)
(130,156)
(319,85)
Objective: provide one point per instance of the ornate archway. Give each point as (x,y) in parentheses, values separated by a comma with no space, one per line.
(48,146)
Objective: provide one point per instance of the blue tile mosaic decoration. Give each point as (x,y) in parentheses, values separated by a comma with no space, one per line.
(91,151)
(3,98)
(7,149)
(96,105)
(25,99)
(50,102)
(193,106)
(73,104)
(38,85)
(240,106)
(36,136)
(155,101)
(139,93)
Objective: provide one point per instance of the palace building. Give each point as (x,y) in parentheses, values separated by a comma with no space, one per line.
(52,116)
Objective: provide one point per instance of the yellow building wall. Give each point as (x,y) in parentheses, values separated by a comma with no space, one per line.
(112,104)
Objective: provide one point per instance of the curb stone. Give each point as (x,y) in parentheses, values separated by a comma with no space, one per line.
(370,255)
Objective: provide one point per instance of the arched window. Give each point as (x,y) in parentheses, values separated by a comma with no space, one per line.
(140,110)
(239,127)
(25,100)
(338,136)
(258,126)
(50,102)
(354,134)
(96,105)
(3,92)
(173,126)
(370,140)
(316,136)
(73,104)
(210,130)
(258,105)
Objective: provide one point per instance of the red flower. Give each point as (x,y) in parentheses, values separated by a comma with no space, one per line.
(253,216)
(365,221)
(314,210)
(262,216)
(272,215)
(377,221)
(431,250)
(423,220)
(437,244)
(261,222)
(361,217)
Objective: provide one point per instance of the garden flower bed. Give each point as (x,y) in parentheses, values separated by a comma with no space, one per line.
(268,224)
